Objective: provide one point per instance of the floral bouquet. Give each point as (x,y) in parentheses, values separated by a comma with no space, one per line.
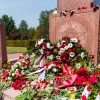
(60,71)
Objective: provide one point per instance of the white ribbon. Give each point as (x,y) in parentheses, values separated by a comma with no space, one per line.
(98,97)
(42,75)
(38,71)
(86,92)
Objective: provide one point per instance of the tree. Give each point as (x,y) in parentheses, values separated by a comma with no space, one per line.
(44,22)
(32,31)
(14,35)
(23,26)
(9,23)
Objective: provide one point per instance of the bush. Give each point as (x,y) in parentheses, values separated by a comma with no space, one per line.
(20,43)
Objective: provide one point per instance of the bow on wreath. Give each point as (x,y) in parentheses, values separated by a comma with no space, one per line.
(69,81)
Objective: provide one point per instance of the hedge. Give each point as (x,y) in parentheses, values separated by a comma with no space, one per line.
(20,43)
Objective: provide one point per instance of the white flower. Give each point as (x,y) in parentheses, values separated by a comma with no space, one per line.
(63,41)
(48,45)
(58,57)
(12,68)
(74,40)
(41,51)
(50,57)
(13,74)
(49,67)
(82,55)
(58,44)
(16,70)
(32,55)
(60,52)
(62,49)
(54,69)
(71,54)
(9,78)
(55,12)
(51,81)
(70,45)
(66,47)
(40,42)
(78,65)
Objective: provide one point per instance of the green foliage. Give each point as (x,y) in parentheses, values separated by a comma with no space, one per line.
(44,23)
(19,43)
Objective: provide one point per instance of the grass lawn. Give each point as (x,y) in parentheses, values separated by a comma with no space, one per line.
(16,49)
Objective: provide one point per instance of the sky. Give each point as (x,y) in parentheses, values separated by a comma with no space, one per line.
(28,10)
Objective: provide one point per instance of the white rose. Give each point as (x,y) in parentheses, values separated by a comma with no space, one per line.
(54,69)
(70,45)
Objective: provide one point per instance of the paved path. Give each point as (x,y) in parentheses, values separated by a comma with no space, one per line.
(14,56)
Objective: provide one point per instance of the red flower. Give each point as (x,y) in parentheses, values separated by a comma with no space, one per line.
(62,46)
(83,97)
(89,88)
(92,79)
(64,56)
(6,74)
(83,72)
(97,73)
(68,38)
(79,8)
(44,44)
(81,80)
(70,50)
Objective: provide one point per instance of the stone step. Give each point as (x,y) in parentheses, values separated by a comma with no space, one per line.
(10,94)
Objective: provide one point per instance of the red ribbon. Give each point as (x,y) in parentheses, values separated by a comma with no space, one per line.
(66,72)
(68,82)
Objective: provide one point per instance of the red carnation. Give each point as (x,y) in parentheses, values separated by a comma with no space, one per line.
(92,79)
(64,56)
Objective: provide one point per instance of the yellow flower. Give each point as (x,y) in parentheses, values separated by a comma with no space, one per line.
(68,92)
(72,96)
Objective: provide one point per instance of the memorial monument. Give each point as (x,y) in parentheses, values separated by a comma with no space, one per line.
(3,53)
(81,20)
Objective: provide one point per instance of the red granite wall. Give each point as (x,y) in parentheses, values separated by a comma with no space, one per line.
(83,24)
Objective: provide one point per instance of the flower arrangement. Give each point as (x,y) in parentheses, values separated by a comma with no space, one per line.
(60,71)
